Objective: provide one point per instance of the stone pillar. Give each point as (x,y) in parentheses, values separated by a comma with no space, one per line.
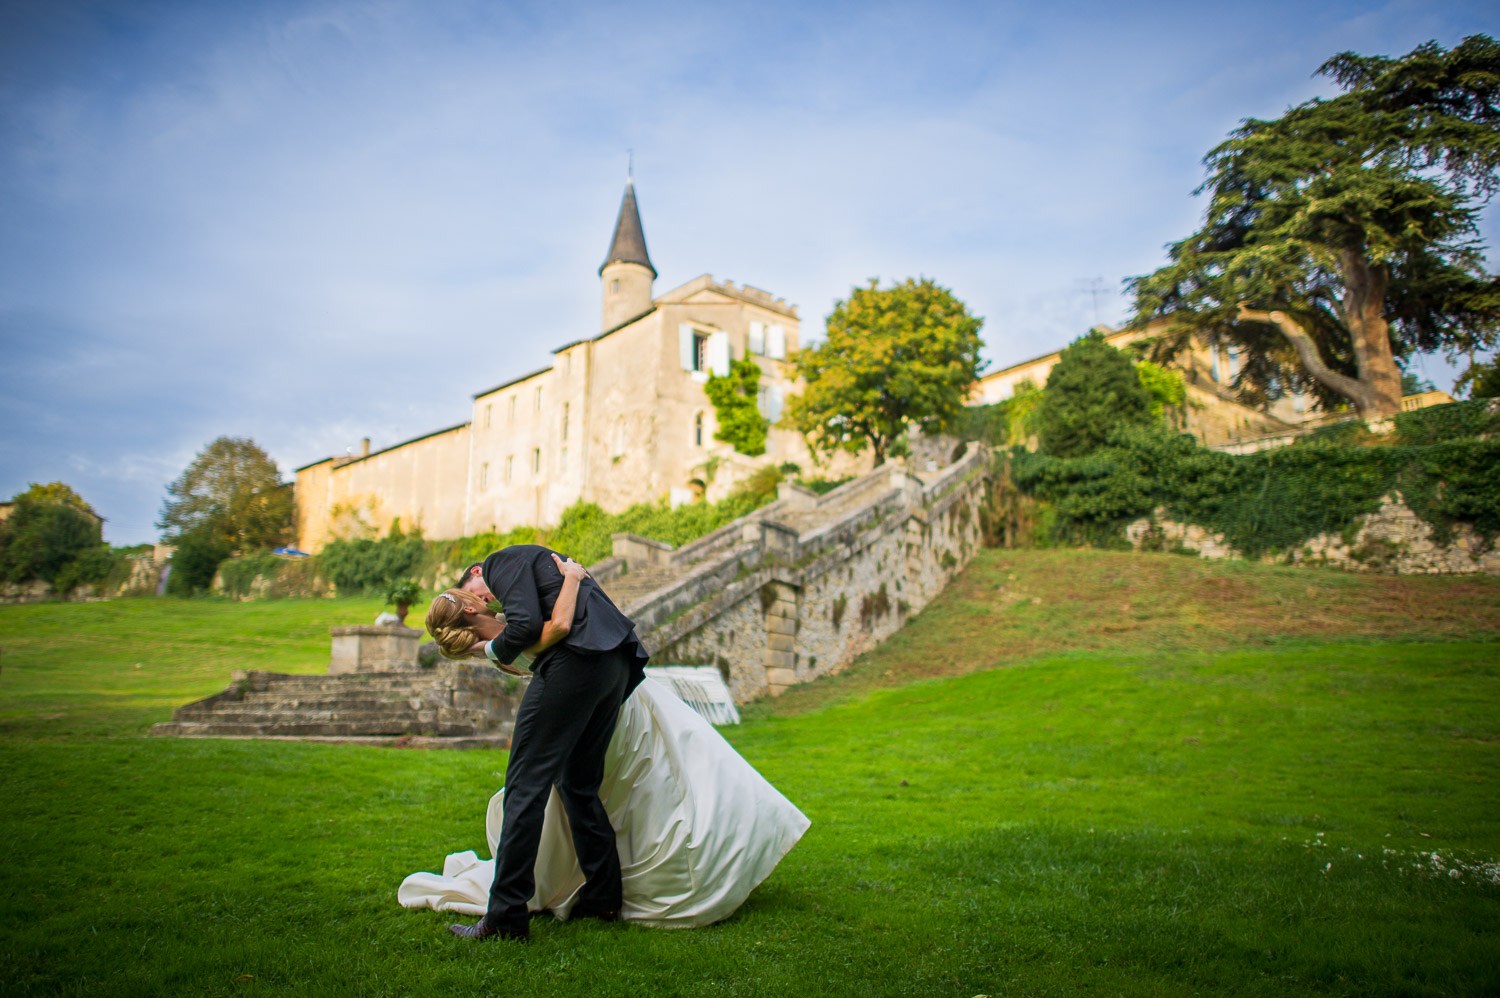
(781,636)
(374,648)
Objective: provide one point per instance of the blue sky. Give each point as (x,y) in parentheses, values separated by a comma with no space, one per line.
(310,222)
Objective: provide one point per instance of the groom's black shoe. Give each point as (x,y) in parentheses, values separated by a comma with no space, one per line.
(483,929)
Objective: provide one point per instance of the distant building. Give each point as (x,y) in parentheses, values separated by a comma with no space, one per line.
(618,417)
(1213,414)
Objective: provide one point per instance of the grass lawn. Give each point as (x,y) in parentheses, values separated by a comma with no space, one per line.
(1187,778)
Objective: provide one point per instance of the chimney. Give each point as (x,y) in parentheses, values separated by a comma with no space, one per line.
(364,447)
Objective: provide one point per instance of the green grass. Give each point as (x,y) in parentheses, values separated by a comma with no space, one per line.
(1205,815)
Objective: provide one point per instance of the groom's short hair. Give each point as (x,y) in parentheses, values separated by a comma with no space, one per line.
(464,575)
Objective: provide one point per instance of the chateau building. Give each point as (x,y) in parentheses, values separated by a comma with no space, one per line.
(618,417)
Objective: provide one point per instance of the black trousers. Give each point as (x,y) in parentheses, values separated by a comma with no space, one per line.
(562,728)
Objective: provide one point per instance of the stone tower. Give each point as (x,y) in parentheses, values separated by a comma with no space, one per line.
(627,272)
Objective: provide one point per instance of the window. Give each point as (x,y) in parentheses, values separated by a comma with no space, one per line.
(487,416)
(510,464)
(614,286)
(698,430)
(484,475)
(567,364)
(538,403)
(510,416)
(536,461)
(758,337)
(565,421)
(562,459)
(702,351)
(763,399)
(776,342)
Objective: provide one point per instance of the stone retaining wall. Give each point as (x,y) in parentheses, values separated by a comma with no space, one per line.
(1391,539)
(787,605)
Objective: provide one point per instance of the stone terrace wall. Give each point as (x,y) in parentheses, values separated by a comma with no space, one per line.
(800,588)
(1391,539)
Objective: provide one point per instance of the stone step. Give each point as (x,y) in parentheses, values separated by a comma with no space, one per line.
(401,714)
(634,585)
(356,680)
(499,740)
(356,701)
(398,726)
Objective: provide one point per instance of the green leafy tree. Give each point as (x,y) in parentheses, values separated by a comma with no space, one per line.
(1481,379)
(48,527)
(893,358)
(1341,237)
(232,493)
(736,408)
(1092,389)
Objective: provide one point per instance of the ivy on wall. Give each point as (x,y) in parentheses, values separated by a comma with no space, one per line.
(1273,500)
(734,396)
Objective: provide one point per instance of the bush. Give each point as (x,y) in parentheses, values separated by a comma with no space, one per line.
(1455,421)
(194,563)
(366,566)
(95,566)
(1092,389)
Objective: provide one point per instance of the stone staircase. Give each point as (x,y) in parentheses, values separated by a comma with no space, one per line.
(629,589)
(420,709)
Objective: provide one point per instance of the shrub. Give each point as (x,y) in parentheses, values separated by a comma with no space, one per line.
(94,566)
(366,566)
(1092,389)
(194,563)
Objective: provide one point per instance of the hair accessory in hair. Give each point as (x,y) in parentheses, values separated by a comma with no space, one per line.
(450,599)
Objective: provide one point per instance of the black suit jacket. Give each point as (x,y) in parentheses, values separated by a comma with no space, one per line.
(526,582)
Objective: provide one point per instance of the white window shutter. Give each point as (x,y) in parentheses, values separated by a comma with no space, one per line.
(685,346)
(718,354)
(776,342)
(775,400)
(757,337)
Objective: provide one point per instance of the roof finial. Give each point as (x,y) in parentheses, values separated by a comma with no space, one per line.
(630,166)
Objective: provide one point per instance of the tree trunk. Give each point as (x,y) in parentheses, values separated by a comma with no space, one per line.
(1370,334)
(1369,400)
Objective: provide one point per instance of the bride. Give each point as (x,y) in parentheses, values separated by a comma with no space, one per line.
(696,827)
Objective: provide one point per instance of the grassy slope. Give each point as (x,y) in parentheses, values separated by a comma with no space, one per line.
(1125,811)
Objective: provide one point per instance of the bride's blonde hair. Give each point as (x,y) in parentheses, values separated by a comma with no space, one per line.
(446,621)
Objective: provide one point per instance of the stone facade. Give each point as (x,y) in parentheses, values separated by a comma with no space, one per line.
(1391,539)
(618,417)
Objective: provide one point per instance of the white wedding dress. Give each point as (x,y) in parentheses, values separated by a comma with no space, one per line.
(697,827)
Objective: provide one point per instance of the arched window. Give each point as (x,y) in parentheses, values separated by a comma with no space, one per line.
(698,430)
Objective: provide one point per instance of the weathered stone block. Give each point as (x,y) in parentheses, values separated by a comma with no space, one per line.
(374,648)
(780,659)
(781,625)
(780,677)
(782,642)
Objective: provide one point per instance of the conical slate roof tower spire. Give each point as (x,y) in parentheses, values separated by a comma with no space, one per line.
(629,242)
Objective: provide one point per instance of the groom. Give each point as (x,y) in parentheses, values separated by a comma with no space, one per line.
(562,728)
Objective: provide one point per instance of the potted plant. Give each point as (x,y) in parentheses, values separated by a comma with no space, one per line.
(403,593)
